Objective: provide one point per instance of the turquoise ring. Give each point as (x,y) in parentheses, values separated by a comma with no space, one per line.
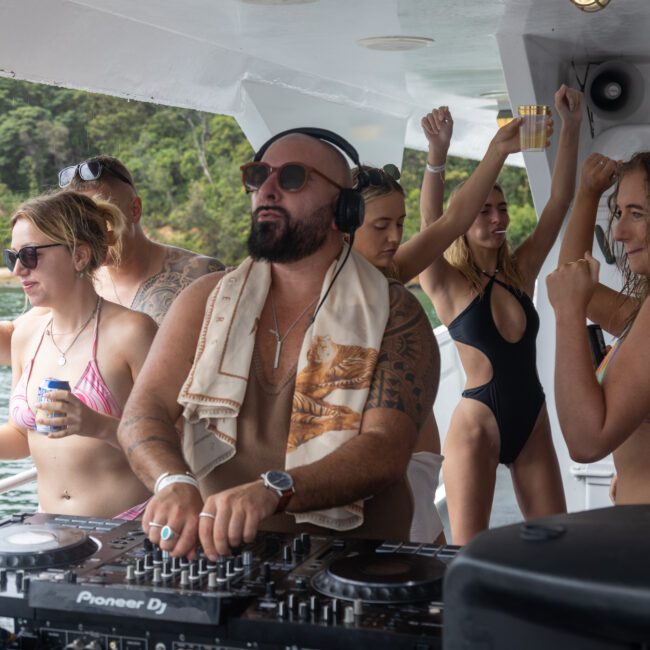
(167,533)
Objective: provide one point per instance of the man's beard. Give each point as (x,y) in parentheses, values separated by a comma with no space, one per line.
(288,240)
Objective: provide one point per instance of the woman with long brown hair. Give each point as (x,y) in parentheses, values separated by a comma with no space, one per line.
(607,411)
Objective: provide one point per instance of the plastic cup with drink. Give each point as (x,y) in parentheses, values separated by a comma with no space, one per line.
(532,132)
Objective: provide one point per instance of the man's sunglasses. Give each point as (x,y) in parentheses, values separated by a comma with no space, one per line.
(90,170)
(28,256)
(292,176)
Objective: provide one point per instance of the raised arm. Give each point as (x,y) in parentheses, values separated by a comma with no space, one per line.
(425,249)
(595,419)
(438,127)
(534,250)
(606,307)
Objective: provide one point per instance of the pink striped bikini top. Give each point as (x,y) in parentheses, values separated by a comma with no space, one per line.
(90,389)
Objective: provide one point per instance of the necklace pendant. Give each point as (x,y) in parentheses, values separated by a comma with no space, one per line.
(278,347)
(61,360)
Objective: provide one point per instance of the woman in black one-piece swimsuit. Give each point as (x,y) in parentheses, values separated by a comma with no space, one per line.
(483,293)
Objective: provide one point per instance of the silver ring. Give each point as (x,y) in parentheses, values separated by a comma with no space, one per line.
(167,533)
(445,120)
(602,162)
(208,515)
(153,524)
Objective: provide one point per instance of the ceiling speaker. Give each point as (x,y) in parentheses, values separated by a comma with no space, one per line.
(615,90)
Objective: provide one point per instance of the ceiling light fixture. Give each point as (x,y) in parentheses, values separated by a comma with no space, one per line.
(590,5)
(395,43)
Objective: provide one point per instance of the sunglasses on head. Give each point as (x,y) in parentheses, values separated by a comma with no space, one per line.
(379,176)
(28,256)
(292,176)
(90,170)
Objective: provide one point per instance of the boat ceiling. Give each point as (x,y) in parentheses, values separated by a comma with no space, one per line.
(276,64)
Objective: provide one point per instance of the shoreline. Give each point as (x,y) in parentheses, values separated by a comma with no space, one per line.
(8,279)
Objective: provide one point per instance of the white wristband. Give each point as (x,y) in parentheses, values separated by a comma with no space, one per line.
(436,169)
(167,479)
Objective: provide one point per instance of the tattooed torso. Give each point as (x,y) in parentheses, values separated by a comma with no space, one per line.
(408,367)
(180,268)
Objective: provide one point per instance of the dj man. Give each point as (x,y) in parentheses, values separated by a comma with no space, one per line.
(303,375)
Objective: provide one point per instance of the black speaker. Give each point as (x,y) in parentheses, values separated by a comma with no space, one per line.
(350,209)
(578,581)
(615,90)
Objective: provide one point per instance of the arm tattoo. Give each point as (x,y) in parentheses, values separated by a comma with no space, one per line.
(180,268)
(151,439)
(408,367)
(136,419)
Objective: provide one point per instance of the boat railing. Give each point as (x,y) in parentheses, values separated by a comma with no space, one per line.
(17,480)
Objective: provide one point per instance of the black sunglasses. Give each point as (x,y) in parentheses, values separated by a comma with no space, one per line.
(90,170)
(379,176)
(292,176)
(28,256)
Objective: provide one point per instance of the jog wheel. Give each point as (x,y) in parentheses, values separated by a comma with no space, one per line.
(41,546)
(394,578)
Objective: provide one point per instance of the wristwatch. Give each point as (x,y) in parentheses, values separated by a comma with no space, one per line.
(282,484)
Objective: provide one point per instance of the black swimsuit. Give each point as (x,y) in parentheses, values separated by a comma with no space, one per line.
(514,394)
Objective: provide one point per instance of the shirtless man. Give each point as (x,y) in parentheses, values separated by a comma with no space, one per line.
(150,275)
(296,244)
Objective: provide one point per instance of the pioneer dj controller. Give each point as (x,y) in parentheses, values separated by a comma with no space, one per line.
(95,584)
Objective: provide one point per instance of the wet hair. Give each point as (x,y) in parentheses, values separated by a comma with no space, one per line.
(635,286)
(376,190)
(459,255)
(70,218)
(82,186)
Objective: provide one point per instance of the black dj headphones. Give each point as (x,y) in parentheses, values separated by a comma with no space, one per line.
(349,210)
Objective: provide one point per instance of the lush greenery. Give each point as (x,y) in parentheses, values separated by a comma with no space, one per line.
(186,164)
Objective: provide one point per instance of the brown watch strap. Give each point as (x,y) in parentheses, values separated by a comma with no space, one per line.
(284,500)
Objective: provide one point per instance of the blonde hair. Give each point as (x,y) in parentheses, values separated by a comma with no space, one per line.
(634,285)
(71,218)
(459,255)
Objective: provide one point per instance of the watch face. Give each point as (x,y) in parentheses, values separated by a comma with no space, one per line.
(279,480)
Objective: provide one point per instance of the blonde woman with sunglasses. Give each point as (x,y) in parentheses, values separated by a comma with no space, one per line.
(58,242)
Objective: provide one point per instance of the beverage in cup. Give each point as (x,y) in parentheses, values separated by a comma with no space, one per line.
(532,132)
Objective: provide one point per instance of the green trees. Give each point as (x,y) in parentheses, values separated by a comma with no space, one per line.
(513,180)
(185,164)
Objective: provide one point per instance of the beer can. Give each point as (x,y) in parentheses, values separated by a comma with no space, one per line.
(44,387)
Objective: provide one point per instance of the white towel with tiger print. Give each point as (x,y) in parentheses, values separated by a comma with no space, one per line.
(335,369)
